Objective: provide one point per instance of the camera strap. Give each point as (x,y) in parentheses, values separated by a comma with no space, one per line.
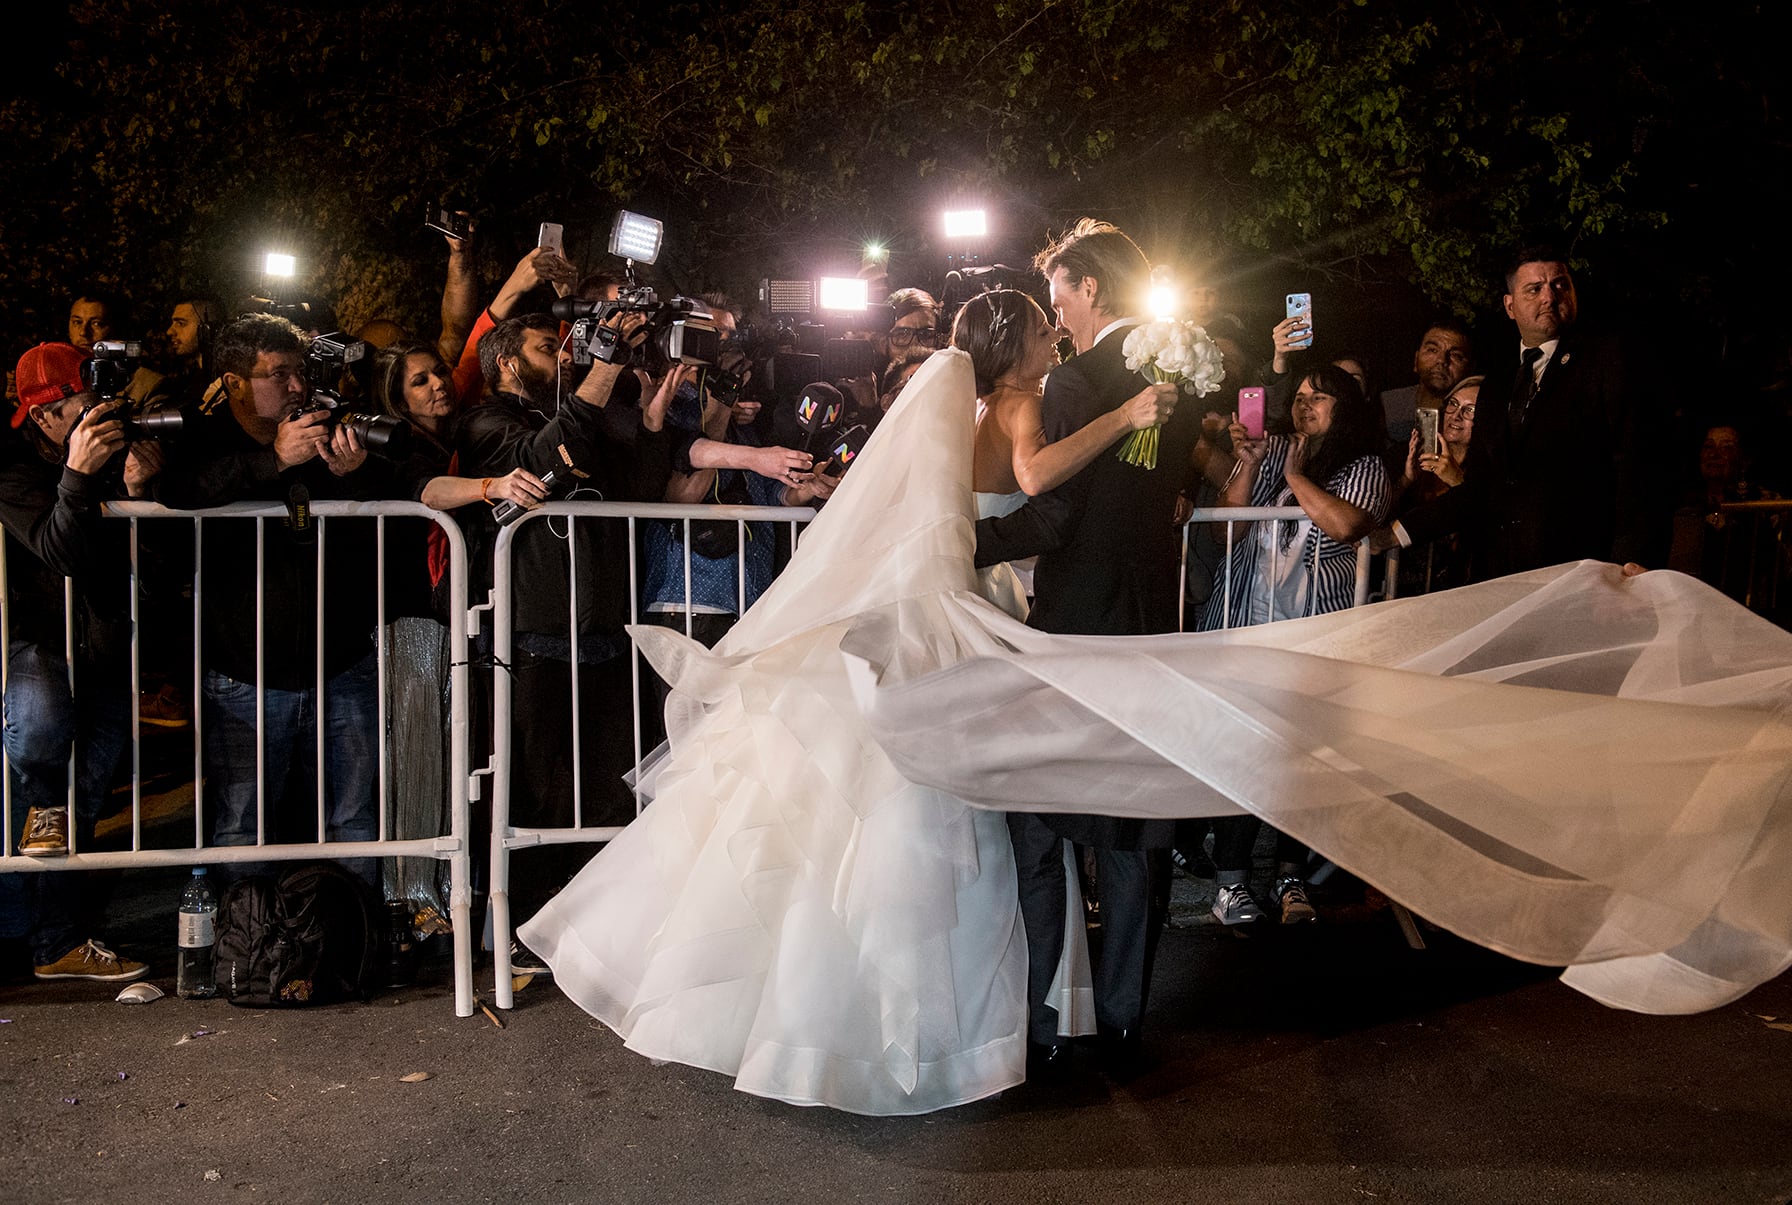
(298,515)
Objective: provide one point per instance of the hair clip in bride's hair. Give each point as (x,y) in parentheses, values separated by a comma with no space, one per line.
(1001,318)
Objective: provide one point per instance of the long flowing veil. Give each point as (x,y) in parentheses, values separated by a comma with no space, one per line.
(1572,767)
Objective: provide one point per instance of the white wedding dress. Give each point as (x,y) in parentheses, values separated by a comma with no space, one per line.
(789,910)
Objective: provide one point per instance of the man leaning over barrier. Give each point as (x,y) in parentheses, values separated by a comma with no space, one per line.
(52,482)
(599,448)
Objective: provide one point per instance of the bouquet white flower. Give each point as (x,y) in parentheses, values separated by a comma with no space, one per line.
(1178,352)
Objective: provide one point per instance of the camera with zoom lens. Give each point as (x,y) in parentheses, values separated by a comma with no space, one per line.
(679,328)
(329,356)
(108,373)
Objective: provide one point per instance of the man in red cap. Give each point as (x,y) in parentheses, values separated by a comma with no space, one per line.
(51,486)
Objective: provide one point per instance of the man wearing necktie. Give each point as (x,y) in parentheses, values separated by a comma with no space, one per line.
(1561,462)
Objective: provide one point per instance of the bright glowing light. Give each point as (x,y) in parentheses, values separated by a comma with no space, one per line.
(843,293)
(280,265)
(876,253)
(1165,299)
(966,223)
(636,237)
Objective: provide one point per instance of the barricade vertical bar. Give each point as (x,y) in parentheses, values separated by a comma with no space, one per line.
(1362,575)
(379,651)
(498,900)
(689,620)
(1182,585)
(740,566)
(318,717)
(572,594)
(1226,600)
(136,696)
(68,664)
(198,686)
(5,666)
(460,863)
(634,655)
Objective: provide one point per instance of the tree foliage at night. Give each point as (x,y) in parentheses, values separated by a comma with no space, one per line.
(1384,137)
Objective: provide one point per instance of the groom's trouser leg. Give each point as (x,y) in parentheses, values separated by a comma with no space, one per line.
(1129,925)
(1039,863)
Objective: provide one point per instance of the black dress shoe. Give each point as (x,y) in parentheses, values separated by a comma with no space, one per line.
(1048,1062)
(1122,1053)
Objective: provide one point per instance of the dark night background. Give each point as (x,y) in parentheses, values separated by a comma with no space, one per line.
(1381,154)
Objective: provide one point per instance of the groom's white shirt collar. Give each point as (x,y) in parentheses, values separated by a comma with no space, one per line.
(1113,326)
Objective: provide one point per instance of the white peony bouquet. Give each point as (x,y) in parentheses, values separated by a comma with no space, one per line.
(1178,352)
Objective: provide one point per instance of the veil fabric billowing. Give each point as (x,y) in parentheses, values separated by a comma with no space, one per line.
(1568,766)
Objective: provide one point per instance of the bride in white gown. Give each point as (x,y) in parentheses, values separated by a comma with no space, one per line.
(789,909)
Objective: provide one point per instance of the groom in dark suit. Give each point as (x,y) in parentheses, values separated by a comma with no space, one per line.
(1109,554)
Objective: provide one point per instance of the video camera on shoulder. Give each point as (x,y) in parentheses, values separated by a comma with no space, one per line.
(679,328)
(108,373)
(328,358)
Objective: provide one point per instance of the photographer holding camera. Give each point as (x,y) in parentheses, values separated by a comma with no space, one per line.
(598,448)
(51,486)
(266,439)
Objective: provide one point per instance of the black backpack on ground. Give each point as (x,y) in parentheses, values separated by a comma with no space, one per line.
(310,937)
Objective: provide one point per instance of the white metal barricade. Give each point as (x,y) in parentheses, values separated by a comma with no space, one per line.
(505,837)
(1233,518)
(451,847)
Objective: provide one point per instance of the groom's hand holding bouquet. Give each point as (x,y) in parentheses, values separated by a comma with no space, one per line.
(1175,352)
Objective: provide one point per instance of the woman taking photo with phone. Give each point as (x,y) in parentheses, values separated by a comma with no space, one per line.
(1330,468)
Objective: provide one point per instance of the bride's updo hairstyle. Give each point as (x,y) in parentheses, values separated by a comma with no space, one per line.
(992,328)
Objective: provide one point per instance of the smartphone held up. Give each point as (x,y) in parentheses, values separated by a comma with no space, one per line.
(1300,305)
(1250,412)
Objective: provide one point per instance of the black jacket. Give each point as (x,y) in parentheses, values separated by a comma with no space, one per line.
(598,454)
(216,462)
(55,530)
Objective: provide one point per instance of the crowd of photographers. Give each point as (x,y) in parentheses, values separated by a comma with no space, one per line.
(606,393)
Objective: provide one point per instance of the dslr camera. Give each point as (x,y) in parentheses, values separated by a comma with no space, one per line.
(679,328)
(329,357)
(108,373)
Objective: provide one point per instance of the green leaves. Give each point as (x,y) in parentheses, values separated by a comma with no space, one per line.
(1391,133)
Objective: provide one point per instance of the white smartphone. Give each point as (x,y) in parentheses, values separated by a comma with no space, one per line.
(1300,305)
(552,238)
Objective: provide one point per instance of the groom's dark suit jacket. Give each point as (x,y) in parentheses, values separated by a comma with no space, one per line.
(1107,547)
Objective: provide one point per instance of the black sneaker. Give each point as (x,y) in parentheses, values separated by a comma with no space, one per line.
(523,961)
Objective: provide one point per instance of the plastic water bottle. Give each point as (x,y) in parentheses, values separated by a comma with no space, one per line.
(198,937)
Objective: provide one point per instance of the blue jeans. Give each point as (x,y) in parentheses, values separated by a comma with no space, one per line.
(43,722)
(351,750)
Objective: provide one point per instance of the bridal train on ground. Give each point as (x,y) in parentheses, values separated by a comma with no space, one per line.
(1566,766)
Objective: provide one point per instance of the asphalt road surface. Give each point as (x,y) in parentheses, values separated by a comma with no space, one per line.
(1332,1064)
